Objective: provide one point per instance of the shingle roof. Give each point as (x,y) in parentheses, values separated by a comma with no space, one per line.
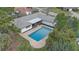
(23,21)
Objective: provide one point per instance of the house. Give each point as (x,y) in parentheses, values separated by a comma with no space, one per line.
(30,10)
(26,23)
(69,8)
(23,10)
(45,10)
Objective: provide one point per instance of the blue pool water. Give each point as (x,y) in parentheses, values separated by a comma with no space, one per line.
(40,33)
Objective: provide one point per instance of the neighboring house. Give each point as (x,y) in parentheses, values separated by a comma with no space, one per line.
(30,10)
(27,22)
(69,8)
(23,10)
(44,9)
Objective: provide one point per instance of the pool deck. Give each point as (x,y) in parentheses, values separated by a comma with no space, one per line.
(33,43)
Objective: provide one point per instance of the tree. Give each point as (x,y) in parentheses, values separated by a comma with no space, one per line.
(62,41)
(5,41)
(6,27)
(61,20)
(62,38)
(76,26)
(6,10)
(6,21)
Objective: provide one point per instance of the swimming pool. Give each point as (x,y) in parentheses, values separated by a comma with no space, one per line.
(40,33)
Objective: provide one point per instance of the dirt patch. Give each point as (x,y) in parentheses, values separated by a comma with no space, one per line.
(14,43)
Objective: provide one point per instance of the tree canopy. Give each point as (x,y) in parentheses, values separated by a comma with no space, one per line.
(62,38)
(6,27)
